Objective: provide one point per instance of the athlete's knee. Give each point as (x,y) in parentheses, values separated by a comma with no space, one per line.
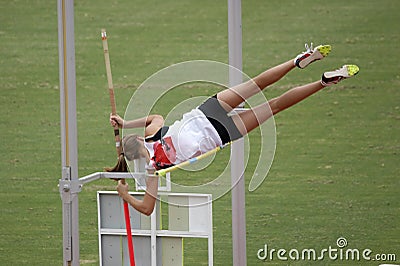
(274,105)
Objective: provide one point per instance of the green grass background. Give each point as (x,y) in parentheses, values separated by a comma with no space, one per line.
(336,168)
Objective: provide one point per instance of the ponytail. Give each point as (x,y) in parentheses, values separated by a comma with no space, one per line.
(121,165)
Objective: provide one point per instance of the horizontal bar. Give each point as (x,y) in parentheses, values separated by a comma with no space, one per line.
(110,175)
(90,178)
(163,172)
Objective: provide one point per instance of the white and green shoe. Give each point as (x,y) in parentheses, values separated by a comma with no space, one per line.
(333,77)
(312,54)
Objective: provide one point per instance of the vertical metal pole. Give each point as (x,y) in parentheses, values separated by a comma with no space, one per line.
(210,233)
(153,236)
(69,150)
(237,148)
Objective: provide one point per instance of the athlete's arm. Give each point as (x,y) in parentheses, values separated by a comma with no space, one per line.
(146,205)
(151,123)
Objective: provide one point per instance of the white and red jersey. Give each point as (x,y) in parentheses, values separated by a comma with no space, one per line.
(185,139)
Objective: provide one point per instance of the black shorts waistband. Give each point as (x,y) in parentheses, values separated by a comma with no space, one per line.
(220,120)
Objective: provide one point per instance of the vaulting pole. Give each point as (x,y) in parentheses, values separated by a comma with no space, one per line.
(117,142)
(69,184)
(237,147)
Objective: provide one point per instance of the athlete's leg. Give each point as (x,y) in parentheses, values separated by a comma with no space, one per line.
(252,118)
(232,97)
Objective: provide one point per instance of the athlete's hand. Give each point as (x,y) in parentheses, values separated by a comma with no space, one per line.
(122,188)
(116,120)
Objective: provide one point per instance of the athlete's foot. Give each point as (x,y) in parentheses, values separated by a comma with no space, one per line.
(333,77)
(311,55)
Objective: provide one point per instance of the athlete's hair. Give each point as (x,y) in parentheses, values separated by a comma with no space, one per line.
(131,146)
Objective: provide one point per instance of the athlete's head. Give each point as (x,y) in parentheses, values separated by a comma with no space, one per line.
(133,148)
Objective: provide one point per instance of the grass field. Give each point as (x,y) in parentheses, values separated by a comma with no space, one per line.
(336,167)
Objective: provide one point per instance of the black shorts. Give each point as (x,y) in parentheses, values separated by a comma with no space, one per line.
(219,118)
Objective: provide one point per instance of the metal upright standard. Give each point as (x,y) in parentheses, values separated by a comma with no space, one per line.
(237,147)
(68,185)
